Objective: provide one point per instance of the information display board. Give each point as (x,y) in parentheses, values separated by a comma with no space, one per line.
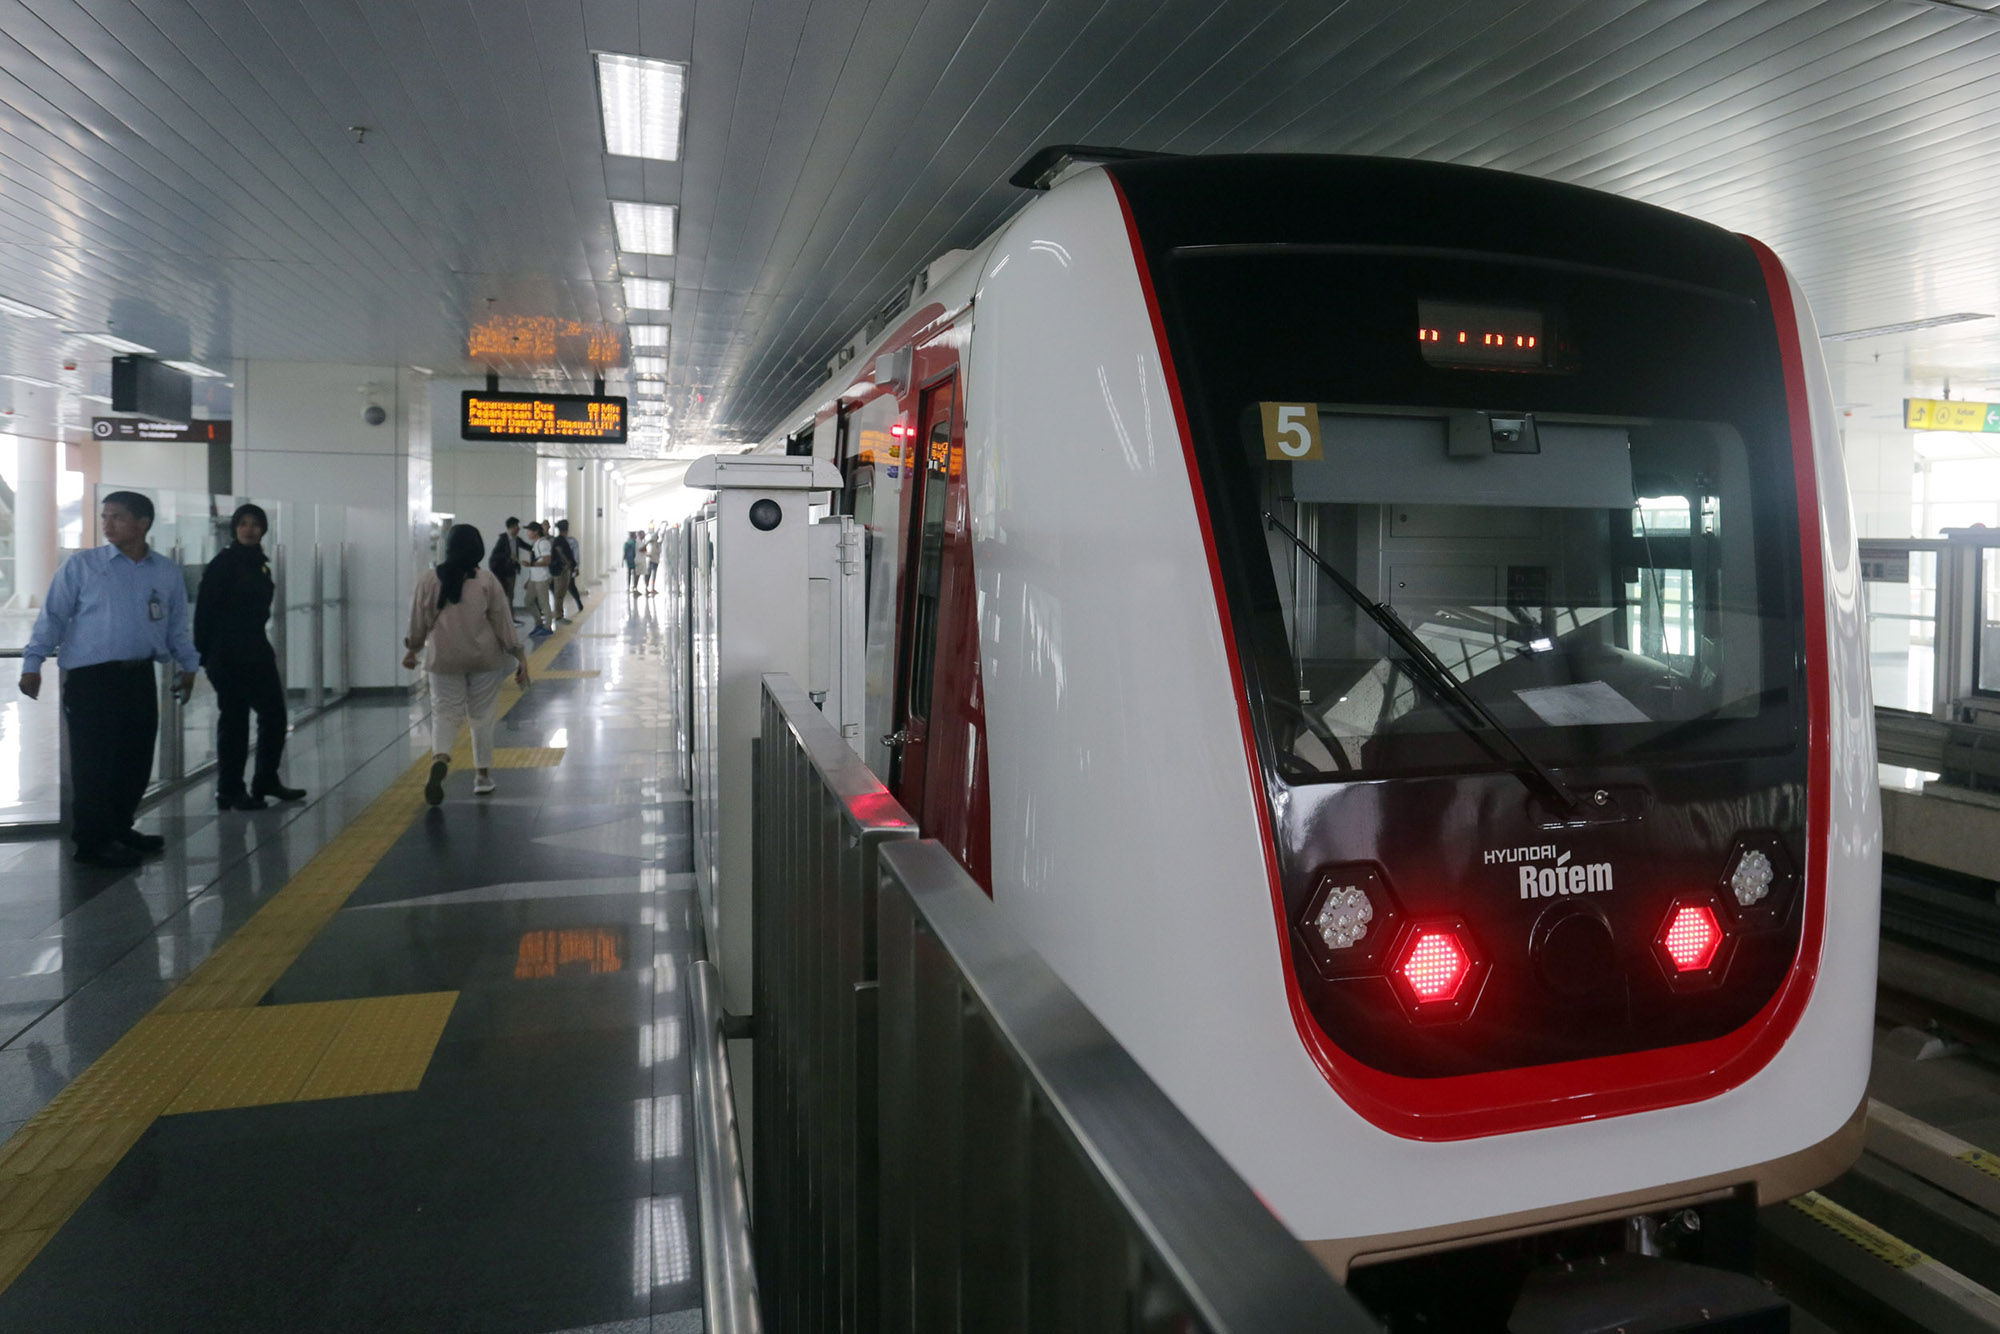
(494,415)
(134,428)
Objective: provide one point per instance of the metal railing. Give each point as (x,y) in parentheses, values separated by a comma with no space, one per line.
(945,1137)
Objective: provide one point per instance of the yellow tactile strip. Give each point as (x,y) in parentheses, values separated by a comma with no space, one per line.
(514,757)
(582,674)
(208,1045)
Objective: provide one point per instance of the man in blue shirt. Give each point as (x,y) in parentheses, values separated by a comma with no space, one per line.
(111,613)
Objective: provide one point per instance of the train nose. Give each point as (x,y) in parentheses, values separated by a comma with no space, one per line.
(1574,954)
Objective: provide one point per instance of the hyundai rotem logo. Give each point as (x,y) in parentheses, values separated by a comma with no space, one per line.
(1565,877)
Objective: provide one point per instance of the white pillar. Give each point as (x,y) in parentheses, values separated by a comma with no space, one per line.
(35,551)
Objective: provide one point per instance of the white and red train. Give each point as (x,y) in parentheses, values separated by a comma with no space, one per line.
(1389,635)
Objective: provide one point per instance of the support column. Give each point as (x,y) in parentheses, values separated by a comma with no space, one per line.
(35,551)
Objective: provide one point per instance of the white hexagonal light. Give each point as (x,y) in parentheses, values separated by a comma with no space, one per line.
(1752,878)
(1344,917)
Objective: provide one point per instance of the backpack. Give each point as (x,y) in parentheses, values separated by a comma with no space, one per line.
(559,556)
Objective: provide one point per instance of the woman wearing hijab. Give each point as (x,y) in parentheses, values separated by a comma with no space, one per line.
(461,612)
(230,612)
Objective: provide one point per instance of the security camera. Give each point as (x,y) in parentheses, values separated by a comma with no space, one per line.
(374,414)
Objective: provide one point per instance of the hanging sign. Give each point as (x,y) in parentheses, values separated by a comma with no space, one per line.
(1949,414)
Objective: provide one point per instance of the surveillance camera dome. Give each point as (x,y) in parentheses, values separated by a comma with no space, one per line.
(374,414)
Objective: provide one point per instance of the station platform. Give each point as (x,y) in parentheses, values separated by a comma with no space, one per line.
(359,1063)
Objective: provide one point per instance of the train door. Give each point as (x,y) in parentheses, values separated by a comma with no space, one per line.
(929,474)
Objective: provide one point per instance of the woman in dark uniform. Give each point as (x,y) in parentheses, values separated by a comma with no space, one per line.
(229,616)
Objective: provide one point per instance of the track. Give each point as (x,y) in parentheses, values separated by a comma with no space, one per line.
(1909,1239)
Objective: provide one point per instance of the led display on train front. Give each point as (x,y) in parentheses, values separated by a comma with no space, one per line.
(492,415)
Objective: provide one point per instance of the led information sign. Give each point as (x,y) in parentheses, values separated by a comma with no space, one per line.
(485,415)
(1453,333)
(1949,414)
(132,428)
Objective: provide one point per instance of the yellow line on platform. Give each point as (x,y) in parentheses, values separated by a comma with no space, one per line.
(208,1045)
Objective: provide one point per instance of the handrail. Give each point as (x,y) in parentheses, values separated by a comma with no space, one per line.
(945,1136)
(729,1281)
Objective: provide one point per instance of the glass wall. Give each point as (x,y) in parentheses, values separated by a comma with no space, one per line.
(307,547)
(1900,593)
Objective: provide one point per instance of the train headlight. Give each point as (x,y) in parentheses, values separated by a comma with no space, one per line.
(1348,922)
(1751,880)
(1756,885)
(1344,917)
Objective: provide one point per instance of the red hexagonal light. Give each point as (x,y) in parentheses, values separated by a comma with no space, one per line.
(1435,965)
(1692,937)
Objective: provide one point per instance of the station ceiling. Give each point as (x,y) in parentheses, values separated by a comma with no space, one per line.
(189,173)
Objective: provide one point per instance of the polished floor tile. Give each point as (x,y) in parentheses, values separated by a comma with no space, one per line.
(539,1178)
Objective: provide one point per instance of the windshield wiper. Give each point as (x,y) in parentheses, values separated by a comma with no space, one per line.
(1432,671)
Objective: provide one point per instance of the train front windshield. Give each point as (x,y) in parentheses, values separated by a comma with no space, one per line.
(1573,490)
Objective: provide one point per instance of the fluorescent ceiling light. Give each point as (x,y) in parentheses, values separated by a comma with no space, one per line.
(97,398)
(641,103)
(644,229)
(1849,335)
(649,335)
(112,341)
(643,362)
(194,368)
(648,294)
(34,380)
(24,310)
(650,389)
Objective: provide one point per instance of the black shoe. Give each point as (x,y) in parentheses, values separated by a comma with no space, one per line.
(107,854)
(139,842)
(279,791)
(241,801)
(434,790)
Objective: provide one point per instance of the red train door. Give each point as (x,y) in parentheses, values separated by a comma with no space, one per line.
(923,585)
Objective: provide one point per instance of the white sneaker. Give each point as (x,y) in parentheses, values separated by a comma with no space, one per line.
(482,785)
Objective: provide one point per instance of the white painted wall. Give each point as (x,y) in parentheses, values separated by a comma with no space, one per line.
(301,436)
(483,484)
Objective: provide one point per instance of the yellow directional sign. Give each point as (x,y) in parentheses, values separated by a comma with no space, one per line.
(1937,414)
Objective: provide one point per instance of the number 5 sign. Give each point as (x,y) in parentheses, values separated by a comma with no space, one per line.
(1291,431)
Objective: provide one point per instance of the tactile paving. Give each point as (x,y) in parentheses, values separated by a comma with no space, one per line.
(582,674)
(208,1045)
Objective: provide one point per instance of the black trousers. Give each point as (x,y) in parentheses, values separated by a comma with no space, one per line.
(245,677)
(112,711)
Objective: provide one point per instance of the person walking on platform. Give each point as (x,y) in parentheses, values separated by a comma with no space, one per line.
(230,612)
(505,562)
(652,559)
(632,562)
(460,612)
(110,614)
(560,571)
(536,563)
(575,550)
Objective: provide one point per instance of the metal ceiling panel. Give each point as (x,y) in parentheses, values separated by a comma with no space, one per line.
(182,170)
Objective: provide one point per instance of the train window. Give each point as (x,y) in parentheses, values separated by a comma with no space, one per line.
(1605,559)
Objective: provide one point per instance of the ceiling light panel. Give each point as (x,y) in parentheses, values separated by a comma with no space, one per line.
(34,380)
(650,336)
(10,306)
(641,103)
(644,229)
(112,341)
(194,368)
(1908,326)
(648,294)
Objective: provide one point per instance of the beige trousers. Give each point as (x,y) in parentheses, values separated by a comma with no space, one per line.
(461,697)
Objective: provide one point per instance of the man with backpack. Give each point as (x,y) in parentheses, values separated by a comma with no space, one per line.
(505,562)
(561,569)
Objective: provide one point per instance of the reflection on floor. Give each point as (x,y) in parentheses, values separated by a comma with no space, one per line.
(514,963)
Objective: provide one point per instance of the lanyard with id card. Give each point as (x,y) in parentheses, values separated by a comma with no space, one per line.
(155,609)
